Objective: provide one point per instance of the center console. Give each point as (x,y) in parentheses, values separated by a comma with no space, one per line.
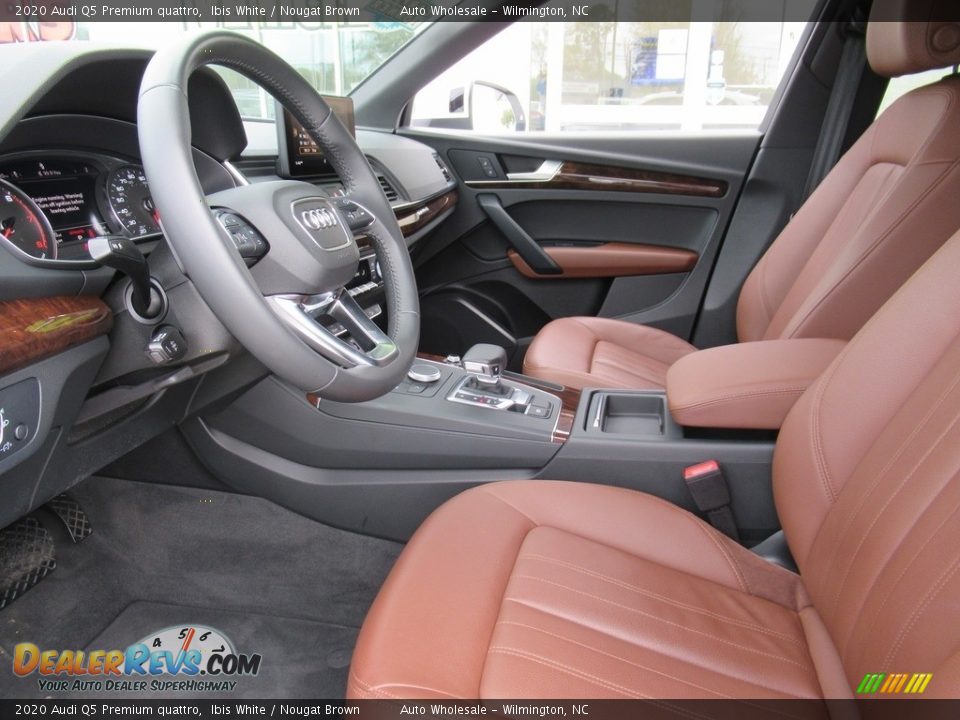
(381,466)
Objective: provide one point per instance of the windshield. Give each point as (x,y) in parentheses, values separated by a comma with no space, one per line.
(334,56)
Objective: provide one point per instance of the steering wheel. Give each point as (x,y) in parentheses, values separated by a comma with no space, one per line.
(281,309)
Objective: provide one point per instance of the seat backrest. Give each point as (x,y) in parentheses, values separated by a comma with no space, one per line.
(883,210)
(867,485)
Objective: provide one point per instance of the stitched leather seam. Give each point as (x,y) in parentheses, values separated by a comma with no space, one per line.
(793,390)
(792,326)
(615,657)
(935,132)
(744,586)
(604,632)
(762,291)
(503,594)
(655,671)
(664,598)
(582,675)
(819,456)
(666,506)
(797,323)
(379,691)
(906,567)
(874,486)
(659,619)
(920,609)
(368,689)
(820,392)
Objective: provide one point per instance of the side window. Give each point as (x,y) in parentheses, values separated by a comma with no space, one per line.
(613,76)
(900,86)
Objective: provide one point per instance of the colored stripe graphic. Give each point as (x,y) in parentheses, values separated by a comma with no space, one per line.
(894,683)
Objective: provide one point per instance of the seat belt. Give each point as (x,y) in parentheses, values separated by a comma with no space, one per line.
(711,495)
(853,61)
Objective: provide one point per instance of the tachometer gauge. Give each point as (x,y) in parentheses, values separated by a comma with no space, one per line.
(129,198)
(24,225)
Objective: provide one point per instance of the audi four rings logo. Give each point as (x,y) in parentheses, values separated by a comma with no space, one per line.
(318,219)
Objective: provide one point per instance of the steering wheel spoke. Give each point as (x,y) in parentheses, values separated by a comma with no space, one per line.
(323,321)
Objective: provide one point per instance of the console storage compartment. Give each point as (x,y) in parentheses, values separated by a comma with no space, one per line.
(637,413)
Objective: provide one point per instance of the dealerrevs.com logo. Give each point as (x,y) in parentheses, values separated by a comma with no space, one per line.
(191,658)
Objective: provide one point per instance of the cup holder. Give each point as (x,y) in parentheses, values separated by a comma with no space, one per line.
(627,414)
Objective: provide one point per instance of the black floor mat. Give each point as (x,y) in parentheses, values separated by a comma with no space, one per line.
(274,582)
(301,658)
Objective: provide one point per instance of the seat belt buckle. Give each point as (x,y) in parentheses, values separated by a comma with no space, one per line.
(711,495)
(707,485)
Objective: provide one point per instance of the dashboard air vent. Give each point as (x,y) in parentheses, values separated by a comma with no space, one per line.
(388,190)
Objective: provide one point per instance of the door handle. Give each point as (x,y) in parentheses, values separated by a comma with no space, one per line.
(526,247)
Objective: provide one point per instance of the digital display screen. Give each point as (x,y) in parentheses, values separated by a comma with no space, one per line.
(301,154)
(69,203)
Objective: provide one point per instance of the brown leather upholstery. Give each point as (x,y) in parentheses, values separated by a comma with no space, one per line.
(609,260)
(599,352)
(540,589)
(746,386)
(885,208)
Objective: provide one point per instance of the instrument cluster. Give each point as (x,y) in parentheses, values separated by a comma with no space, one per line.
(51,205)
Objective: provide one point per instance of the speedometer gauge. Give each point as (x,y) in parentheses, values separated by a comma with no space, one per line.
(129,198)
(24,225)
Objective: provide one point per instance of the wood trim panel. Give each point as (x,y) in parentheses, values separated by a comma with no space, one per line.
(33,329)
(412,219)
(609,260)
(415,217)
(610,178)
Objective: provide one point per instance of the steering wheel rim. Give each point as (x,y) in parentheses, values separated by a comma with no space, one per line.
(272,307)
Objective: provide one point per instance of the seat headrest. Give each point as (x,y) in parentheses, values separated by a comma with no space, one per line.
(909,36)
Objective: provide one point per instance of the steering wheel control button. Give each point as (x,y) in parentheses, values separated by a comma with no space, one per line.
(318,218)
(167,345)
(357,217)
(423,373)
(249,243)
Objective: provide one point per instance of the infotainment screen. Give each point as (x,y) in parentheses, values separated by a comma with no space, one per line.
(299,155)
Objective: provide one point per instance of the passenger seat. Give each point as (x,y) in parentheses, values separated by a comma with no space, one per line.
(887,206)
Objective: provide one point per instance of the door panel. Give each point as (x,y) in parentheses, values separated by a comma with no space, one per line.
(619,226)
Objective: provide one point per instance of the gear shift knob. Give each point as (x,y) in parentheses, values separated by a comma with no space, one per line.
(486,361)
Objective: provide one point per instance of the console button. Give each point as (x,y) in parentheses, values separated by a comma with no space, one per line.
(540,411)
(19,412)
(167,345)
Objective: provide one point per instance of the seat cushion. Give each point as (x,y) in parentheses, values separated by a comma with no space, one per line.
(552,589)
(584,352)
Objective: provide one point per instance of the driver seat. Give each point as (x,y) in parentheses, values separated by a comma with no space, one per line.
(551,589)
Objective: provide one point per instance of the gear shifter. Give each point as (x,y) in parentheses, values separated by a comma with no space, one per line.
(485,365)
(486,362)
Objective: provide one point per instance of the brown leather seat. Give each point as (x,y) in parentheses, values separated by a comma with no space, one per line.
(887,206)
(543,589)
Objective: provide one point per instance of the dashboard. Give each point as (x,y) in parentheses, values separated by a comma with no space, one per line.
(76,365)
(52,204)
